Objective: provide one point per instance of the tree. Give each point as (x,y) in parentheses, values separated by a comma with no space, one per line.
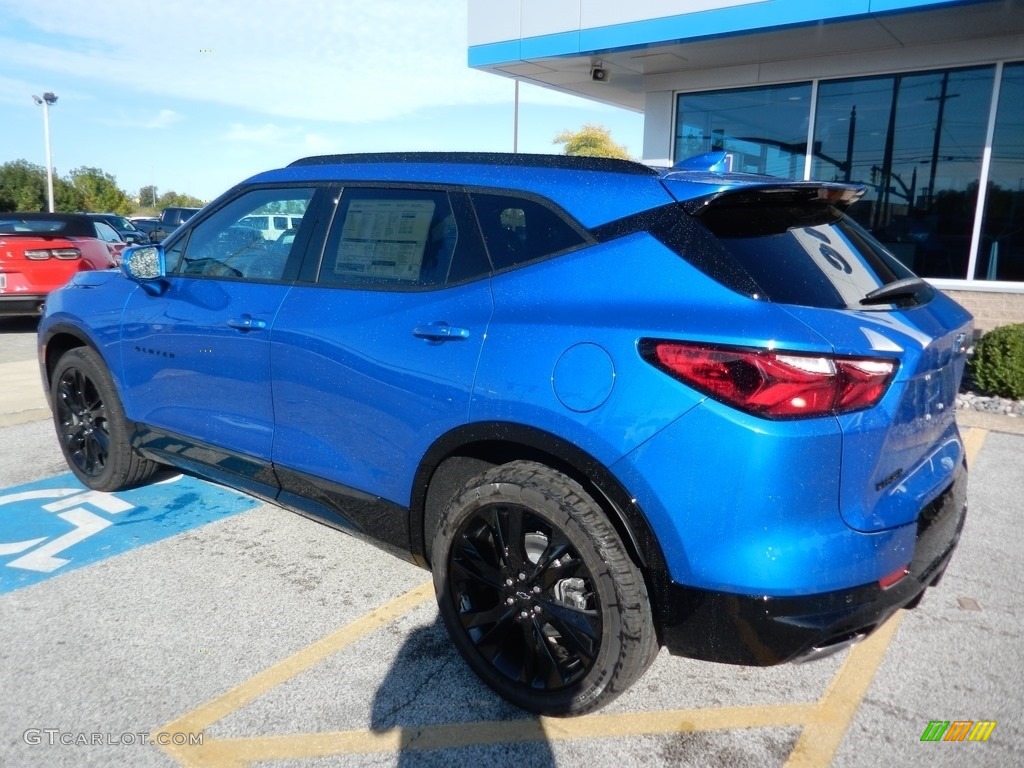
(99,191)
(591,141)
(174,199)
(67,198)
(147,196)
(22,186)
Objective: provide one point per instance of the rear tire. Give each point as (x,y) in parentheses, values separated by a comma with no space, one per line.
(91,426)
(538,592)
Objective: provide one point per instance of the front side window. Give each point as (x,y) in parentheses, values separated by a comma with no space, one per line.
(226,245)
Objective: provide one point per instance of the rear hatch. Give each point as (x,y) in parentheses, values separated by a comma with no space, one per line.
(790,243)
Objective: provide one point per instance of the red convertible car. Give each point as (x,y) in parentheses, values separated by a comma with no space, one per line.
(39,252)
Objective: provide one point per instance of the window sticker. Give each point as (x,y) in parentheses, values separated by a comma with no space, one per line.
(384,238)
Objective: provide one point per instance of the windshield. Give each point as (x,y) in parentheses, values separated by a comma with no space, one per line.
(120,222)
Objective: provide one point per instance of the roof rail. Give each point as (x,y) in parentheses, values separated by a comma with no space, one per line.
(568,162)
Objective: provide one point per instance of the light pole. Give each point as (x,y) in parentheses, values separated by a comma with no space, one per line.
(515,122)
(45,102)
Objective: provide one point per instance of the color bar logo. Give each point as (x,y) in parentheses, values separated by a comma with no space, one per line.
(958,730)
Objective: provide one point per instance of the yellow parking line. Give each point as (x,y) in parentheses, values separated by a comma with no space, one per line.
(824,733)
(973,441)
(225,753)
(831,718)
(236,698)
(825,722)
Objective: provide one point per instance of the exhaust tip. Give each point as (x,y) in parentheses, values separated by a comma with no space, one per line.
(830,647)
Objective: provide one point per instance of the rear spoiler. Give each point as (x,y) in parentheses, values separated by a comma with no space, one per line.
(715,170)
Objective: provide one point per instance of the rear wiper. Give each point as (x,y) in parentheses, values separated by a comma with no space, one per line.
(905,289)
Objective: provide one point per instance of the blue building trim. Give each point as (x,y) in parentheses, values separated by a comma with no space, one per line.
(754,17)
(550,45)
(494,53)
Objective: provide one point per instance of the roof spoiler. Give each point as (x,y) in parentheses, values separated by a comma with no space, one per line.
(710,162)
(781,192)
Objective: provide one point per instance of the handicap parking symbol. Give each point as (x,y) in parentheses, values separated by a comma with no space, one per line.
(70,507)
(56,525)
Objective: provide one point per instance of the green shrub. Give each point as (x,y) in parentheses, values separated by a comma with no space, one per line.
(998,361)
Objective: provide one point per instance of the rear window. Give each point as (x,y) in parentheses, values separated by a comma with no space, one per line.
(13,225)
(776,247)
(811,255)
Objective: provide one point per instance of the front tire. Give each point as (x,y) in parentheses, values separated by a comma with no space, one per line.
(91,426)
(538,592)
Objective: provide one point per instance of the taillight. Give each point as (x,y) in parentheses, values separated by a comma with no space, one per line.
(893,578)
(41,254)
(771,383)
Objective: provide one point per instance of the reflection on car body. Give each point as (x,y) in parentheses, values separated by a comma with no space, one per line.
(612,409)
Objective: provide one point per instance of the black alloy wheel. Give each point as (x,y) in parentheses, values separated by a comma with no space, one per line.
(82,422)
(91,426)
(525,597)
(538,592)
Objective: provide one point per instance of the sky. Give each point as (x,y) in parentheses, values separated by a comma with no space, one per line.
(197,95)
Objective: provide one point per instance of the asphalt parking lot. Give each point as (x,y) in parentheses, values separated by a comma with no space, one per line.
(133,627)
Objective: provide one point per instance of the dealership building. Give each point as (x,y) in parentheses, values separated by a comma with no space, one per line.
(920,101)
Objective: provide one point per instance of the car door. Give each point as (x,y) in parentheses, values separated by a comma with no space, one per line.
(375,353)
(197,357)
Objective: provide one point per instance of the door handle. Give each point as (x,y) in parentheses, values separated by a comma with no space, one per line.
(248,323)
(440,332)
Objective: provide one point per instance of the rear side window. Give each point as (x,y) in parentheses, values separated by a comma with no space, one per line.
(390,238)
(517,230)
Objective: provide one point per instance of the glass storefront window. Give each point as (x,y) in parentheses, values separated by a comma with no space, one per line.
(916,141)
(765,129)
(1001,250)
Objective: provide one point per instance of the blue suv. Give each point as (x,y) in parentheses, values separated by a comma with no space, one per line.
(611,408)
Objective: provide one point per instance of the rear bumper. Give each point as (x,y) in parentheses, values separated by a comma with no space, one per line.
(762,630)
(12,305)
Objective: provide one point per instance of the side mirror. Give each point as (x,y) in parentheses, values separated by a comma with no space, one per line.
(145,265)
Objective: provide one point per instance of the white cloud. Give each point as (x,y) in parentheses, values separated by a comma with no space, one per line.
(162,119)
(349,62)
(293,141)
(266,135)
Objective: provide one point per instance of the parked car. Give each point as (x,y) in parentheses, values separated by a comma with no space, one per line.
(611,409)
(146,225)
(123,226)
(170,219)
(41,251)
(272,225)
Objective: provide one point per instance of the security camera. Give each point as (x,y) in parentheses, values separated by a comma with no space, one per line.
(599,74)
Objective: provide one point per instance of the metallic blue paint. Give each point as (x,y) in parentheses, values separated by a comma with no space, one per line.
(344,388)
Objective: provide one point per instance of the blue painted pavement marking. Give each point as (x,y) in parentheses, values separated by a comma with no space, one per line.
(55,525)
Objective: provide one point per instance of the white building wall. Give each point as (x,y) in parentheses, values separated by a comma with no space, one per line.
(496,21)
